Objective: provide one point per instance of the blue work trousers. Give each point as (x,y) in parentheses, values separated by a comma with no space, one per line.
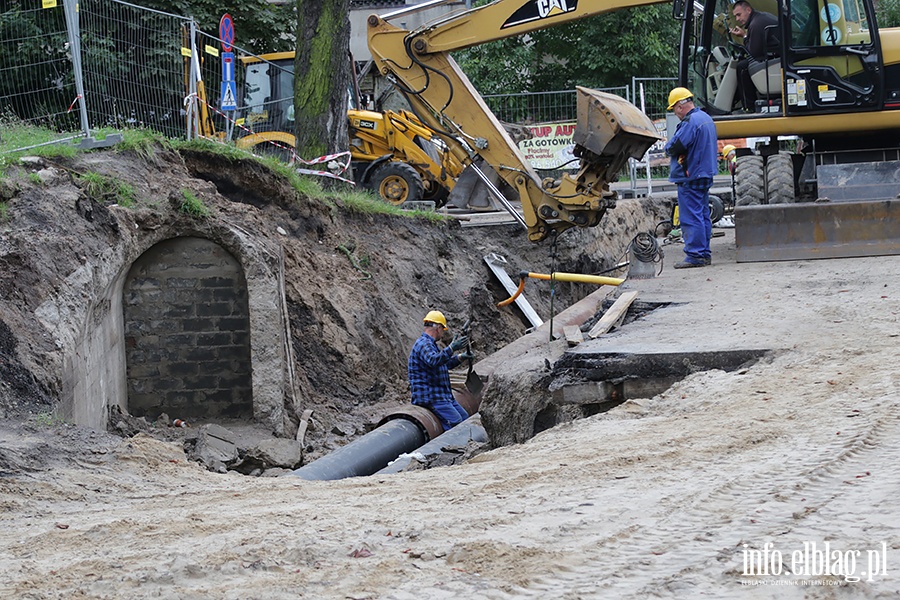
(696,226)
(449,412)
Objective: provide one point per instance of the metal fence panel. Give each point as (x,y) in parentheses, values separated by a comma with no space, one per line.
(656,94)
(257,109)
(37,84)
(540,107)
(134,69)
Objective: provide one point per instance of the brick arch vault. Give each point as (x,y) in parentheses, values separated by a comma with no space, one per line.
(186,321)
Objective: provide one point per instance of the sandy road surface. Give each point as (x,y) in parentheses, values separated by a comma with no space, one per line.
(668,497)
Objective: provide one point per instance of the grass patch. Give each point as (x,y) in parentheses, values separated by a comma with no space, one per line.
(143,142)
(35,179)
(4,212)
(36,141)
(106,190)
(192,205)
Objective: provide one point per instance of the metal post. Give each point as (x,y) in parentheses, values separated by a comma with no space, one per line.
(74,34)
(193,121)
(649,178)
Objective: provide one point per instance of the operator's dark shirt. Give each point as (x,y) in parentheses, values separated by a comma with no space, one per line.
(761,42)
(429,371)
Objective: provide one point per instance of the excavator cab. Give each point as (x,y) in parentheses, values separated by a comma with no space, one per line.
(830,59)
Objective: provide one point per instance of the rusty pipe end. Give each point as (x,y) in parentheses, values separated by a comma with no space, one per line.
(419,415)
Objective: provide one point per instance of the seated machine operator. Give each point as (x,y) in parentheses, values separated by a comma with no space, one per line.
(760,32)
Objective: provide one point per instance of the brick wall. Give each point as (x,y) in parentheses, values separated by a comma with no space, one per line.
(187,332)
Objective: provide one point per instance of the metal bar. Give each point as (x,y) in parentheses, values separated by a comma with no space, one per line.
(499,195)
(496,264)
(74,35)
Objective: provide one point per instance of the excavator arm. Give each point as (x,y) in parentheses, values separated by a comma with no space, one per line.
(609,129)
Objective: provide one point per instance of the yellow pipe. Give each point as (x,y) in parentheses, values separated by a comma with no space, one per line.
(556,276)
(577,278)
(512,298)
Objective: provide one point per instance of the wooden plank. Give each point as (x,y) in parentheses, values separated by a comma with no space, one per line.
(573,334)
(614,315)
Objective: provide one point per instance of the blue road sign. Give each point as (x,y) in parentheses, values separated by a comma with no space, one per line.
(228,101)
(228,66)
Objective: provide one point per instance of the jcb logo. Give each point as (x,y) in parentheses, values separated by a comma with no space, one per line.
(366,125)
(532,10)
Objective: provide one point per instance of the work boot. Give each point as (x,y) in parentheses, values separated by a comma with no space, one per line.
(687,264)
(707,261)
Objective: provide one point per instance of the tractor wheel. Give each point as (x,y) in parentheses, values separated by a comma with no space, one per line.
(397,183)
(780,179)
(749,180)
(716,209)
(437,194)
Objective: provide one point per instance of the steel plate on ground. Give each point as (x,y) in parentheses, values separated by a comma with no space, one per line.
(817,230)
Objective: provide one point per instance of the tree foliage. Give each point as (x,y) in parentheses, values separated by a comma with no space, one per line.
(260,26)
(602,51)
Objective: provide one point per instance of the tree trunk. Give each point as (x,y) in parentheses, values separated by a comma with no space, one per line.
(321,76)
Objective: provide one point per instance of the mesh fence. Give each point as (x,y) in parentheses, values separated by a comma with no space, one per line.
(134,70)
(540,107)
(655,94)
(37,84)
(264,99)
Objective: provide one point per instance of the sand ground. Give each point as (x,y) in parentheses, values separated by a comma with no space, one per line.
(774,481)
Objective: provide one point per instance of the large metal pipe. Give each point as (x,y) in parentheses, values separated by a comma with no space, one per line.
(367,454)
(401,432)
(462,434)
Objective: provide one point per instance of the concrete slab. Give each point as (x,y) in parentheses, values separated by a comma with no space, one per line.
(730,306)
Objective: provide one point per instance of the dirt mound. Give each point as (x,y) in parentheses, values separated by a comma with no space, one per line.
(356,284)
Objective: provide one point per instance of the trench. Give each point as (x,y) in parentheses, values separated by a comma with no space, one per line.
(579,384)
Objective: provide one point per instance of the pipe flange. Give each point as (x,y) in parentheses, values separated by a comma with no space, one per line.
(419,415)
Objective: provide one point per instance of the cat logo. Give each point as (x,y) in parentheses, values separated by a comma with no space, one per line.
(367,125)
(539,9)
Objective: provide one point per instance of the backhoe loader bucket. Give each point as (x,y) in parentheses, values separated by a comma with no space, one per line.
(612,128)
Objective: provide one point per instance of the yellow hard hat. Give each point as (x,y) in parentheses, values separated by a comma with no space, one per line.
(726,150)
(677,95)
(436,316)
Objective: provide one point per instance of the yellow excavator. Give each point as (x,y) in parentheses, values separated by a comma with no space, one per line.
(824,180)
(609,130)
(450,135)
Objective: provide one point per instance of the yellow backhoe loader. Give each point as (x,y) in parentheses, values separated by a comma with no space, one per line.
(392,152)
(608,132)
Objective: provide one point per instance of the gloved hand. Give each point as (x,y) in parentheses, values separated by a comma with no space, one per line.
(467,355)
(460,341)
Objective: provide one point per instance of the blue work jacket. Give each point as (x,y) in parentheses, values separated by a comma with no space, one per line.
(693,149)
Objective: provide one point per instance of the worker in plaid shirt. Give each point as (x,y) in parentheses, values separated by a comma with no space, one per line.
(429,371)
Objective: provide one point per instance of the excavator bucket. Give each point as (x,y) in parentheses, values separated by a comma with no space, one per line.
(612,128)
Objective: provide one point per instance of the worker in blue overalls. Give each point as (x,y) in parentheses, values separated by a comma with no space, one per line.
(693,152)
